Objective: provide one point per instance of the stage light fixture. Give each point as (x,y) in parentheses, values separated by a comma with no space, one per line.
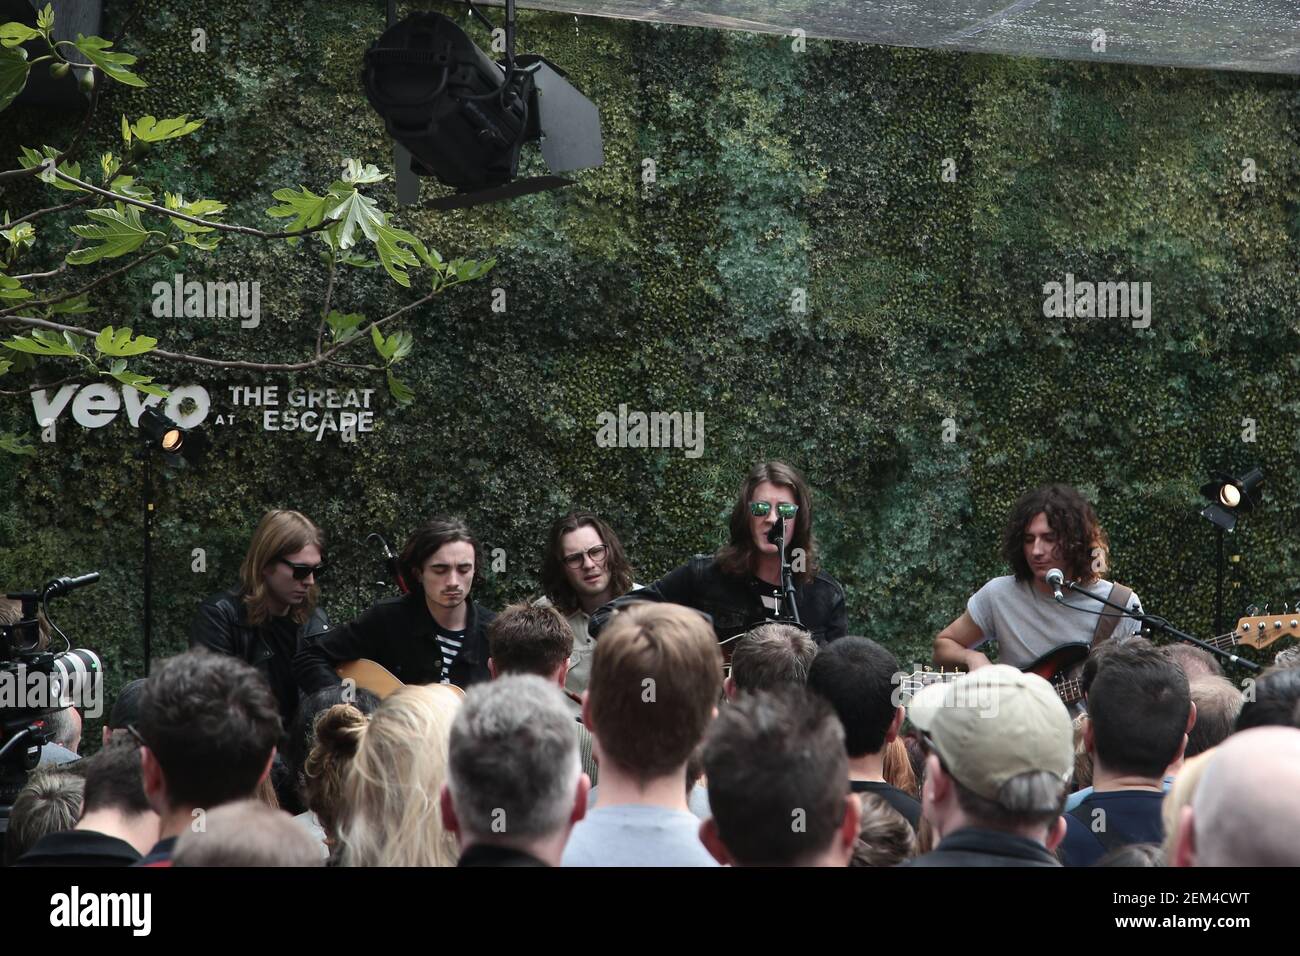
(457,115)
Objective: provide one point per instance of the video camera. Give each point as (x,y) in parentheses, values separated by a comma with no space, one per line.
(36,682)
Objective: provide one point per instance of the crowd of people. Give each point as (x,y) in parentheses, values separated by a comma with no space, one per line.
(719,716)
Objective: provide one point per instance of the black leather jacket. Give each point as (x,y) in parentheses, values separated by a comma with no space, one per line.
(397,632)
(222,625)
(732,603)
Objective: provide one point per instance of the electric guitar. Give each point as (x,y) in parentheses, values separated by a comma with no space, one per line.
(1057,666)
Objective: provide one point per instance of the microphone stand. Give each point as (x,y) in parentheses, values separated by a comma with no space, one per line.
(777,537)
(1160,624)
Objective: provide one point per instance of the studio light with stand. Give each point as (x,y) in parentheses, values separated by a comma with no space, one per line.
(1230,496)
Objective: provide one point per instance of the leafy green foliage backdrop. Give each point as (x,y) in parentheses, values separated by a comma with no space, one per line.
(775,171)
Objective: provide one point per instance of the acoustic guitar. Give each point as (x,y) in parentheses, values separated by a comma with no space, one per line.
(377,679)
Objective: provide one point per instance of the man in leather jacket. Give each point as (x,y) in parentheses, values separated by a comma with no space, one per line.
(739,587)
(272,614)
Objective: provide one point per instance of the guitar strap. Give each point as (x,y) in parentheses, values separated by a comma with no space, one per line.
(1110,618)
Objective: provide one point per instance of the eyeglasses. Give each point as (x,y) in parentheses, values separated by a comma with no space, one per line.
(761,509)
(597,555)
(301,572)
(130,729)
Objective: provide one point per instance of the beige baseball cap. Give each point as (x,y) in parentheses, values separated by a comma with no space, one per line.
(994,724)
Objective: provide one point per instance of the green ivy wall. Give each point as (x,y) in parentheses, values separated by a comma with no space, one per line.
(776,171)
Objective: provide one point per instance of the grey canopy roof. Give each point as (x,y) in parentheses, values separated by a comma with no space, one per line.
(1257,35)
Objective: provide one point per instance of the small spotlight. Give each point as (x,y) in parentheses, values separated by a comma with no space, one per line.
(1239,492)
(162,434)
(463,118)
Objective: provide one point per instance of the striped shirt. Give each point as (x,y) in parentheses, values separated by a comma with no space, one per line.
(449,643)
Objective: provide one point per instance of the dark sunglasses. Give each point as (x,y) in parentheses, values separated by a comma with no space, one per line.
(303,571)
(761,509)
(597,555)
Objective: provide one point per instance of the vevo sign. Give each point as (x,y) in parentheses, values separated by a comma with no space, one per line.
(96,405)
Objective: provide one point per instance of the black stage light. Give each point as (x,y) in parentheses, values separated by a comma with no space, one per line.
(463,118)
(1229,497)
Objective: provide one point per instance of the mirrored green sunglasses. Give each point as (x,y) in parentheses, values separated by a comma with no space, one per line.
(761,509)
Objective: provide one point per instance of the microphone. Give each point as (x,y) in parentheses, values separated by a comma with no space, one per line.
(1055,578)
(390,561)
(61,586)
(777,532)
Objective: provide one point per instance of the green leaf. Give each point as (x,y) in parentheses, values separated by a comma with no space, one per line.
(45,19)
(207,245)
(391,244)
(357,261)
(14,34)
(74,306)
(395,347)
(400,390)
(119,233)
(112,63)
(16,445)
(41,342)
(153,130)
(118,342)
(306,207)
(30,158)
(344,327)
(199,208)
(13,74)
(21,235)
(353,172)
(356,211)
(126,186)
(5,366)
(139,382)
(12,290)
(126,130)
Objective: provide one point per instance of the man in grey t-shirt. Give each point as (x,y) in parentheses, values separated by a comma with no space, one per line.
(1050,527)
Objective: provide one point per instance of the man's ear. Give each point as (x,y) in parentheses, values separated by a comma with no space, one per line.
(729,687)
(586,713)
(492,668)
(562,675)
(713,843)
(1089,737)
(850,827)
(1185,843)
(108,735)
(449,821)
(151,777)
(580,794)
(1055,833)
(270,759)
(895,725)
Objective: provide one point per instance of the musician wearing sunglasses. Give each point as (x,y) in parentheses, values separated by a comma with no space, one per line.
(739,587)
(584,568)
(273,613)
(434,634)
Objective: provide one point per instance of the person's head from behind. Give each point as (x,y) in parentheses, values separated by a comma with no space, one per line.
(301,738)
(1179,796)
(1276,697)
(126,709)
(440,562)
(778,783)
(1195,661)
(885,838)
(335,736)
(859,679)
(1139,713)
(115,801)
(246,833)
(1218,702)
(390,808)
(1244,811)
(280,570)
(208,728)
(770,656)
(656,678)
(49,802)
(527,639)
(999,753)
(65,724)
(514,777)
(1134,855)
(584,561)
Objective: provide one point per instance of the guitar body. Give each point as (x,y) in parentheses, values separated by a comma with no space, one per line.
(377,679)
(1060,667)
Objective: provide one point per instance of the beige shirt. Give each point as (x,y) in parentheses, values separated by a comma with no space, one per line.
(584,646)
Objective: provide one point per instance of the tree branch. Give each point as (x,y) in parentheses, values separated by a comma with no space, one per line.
(43,385)
(137,261)
(329,292)
(164,211)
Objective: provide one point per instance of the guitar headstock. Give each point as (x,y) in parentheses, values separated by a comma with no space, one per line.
(1262,630)
(910,684)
